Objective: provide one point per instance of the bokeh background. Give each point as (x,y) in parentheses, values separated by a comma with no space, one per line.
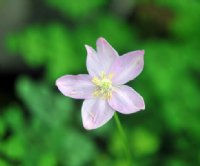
(41,40)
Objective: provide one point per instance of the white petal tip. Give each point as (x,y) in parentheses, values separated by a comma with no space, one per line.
(60,80)
(143,108)
(86,128)
(86,46)
(142,51)
(89,49)
(57,83)
(139,52)
(101,40)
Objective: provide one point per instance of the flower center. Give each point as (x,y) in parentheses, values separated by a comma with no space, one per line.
(103,85)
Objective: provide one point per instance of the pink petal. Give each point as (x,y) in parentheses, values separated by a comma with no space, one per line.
(127,67)
(76,86)
(95,113)
(93,63)
(125,100)
(106,54)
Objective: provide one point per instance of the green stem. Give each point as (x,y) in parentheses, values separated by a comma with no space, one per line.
(124,139)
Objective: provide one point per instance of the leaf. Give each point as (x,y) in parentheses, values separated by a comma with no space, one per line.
(43,103)
(14,147)
(76,156)
(144,142)
(76,9)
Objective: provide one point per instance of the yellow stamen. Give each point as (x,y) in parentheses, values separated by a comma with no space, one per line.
(103,85)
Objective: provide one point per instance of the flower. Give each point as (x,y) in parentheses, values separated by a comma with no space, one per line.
(103,88)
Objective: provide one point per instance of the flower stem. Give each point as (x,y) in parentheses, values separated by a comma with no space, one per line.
(124,139)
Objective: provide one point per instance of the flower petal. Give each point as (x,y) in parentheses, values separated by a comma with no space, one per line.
(106,54)
(127,67)
(126,100)
(95,113)
(76,86)
(93,63)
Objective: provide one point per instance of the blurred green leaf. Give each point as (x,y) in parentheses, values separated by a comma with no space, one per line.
(14,118)
(144,142)
(114,29)
(3,163)
(76,8)
(72,143)
(43,103)
(116,145)
(51,117)
(186,18)
(14,147)
(51,46)
(103,160)
(47,159)
(175,162)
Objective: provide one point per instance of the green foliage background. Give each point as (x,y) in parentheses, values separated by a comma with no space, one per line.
(40,127)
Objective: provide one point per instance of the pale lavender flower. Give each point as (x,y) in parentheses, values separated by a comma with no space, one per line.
(103,88)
